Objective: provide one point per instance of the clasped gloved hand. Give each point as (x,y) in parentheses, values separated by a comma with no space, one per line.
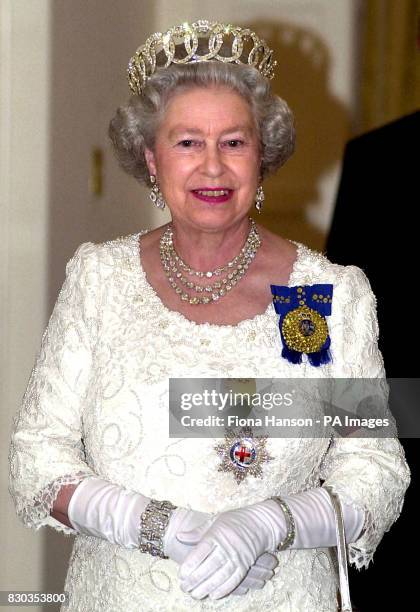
(229,547)
(183,520)
(102,509)
(236,538)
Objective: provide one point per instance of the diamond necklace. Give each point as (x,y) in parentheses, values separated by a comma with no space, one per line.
(236,269)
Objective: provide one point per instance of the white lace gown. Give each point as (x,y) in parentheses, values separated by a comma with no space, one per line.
(96,404)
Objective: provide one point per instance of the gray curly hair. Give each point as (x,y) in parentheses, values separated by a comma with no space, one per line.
(134,125)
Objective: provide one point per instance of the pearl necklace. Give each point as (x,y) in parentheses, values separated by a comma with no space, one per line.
(236,269)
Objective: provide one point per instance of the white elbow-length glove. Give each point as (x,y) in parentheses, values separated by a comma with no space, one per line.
(108,511)
(236,538)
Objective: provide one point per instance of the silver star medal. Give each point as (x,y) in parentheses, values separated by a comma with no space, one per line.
(242,454)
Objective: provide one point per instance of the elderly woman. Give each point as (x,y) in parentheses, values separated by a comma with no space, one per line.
(163,523)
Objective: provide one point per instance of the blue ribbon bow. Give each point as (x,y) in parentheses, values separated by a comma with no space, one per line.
(302,323)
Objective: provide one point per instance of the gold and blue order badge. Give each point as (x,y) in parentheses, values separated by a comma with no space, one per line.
(303,326)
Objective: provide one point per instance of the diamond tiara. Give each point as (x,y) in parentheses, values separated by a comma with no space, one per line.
(201,41)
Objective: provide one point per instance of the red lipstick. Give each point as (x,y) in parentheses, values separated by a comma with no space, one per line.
(216,199)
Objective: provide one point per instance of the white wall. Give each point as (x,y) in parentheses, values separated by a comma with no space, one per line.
(24,168)
(92,43)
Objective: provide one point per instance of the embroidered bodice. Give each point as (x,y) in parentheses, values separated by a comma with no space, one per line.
(96,403)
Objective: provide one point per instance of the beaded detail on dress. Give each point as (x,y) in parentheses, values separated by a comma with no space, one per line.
(96,403)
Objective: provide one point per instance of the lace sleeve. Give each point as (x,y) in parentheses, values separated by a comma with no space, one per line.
(368,473)
(46,449)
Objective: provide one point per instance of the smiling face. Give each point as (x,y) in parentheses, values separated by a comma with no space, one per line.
(207,142)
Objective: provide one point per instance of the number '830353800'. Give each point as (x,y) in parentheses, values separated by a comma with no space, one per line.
(28,598)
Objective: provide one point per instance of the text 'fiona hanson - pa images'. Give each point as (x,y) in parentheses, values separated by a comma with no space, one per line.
(281,407)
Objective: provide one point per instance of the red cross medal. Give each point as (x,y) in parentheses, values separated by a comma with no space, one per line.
(242,453)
